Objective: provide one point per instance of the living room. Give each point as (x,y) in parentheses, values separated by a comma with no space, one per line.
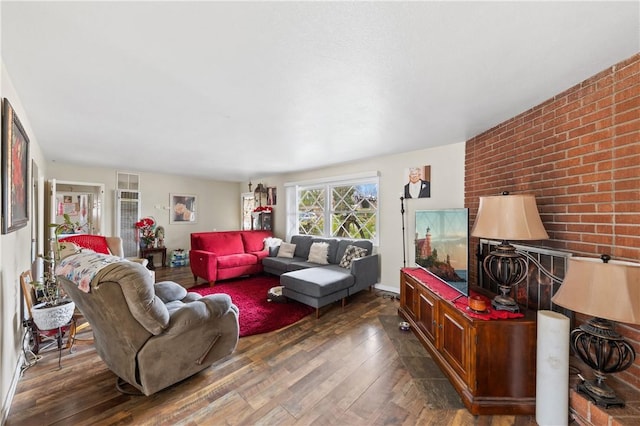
(577,150)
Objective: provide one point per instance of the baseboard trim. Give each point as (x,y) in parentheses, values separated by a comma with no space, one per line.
(6,404)
(382,287)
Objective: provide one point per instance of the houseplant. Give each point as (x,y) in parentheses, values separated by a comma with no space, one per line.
(55,309)
(146,227)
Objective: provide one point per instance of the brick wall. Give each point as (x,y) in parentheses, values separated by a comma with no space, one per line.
(579,153)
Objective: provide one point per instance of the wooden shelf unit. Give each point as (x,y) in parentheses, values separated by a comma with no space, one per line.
(491,364)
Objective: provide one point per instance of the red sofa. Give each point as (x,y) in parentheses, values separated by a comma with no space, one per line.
(227,254)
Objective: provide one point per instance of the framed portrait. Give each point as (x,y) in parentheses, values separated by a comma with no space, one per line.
(417,182)
(183,208)
(15,164)
(271,196)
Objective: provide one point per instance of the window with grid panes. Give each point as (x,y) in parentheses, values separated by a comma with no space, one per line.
(347,209)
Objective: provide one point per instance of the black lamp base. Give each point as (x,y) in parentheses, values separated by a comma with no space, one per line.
(602,401)
(499,306)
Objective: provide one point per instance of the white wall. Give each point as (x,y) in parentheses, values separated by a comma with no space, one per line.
(447,191)
(218,203)
(15,252)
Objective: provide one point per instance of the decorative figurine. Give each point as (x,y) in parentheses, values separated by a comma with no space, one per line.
(160,236)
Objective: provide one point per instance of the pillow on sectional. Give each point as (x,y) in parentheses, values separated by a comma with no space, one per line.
(318,253)
(352,252)
(272,245)
(286,250)
(271,242)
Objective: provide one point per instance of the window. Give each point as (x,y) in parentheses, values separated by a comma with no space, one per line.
(346,208)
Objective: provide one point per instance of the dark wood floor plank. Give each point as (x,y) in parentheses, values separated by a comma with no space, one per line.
(352,366)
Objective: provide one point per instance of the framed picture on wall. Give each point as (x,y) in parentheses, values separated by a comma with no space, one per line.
(417,182)
(183,208)
(15,164)
(271,195)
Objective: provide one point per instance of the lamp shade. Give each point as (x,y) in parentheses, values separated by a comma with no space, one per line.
(509,217)
(604,290)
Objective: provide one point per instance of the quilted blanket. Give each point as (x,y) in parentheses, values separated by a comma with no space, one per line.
(80,268)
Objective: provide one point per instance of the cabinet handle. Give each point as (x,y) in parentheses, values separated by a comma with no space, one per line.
(433,322)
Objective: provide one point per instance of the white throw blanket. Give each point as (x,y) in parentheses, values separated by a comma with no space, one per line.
(82,267)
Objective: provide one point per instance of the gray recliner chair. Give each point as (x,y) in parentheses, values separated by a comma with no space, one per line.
(154,335)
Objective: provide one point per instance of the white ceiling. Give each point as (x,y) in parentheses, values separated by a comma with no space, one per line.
(235,90)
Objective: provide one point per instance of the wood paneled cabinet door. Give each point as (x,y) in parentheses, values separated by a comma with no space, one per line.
(455,340)
(408,297)
(491,364)
(427,318)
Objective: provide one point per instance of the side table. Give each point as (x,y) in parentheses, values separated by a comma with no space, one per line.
(145,252)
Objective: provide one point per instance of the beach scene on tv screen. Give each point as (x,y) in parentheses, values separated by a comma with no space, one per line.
(442,244)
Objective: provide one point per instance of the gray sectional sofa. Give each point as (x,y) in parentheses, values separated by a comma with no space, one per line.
(316,284)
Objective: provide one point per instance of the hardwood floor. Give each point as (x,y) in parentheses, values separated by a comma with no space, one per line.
(350,367)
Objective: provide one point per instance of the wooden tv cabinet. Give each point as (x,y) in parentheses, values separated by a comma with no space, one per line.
(491,364)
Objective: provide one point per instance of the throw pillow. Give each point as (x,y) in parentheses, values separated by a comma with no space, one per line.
(67,249)
(286,250)
(271,242)
(318,253)
(352,252)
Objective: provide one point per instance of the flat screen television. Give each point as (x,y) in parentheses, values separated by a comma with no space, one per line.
(442,245)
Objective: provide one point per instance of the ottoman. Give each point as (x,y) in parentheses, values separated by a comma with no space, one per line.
(317,287)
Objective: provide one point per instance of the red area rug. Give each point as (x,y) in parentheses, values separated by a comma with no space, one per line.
(256,314)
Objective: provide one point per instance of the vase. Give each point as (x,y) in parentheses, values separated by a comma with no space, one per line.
(52,317)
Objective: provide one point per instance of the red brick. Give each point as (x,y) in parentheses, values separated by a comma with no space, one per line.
(627,173)
(630,92)
(604,229)
(582,208)
(562,125)
(632,115)
(629,253)
(596,136)
(597,197)
(629,207)
(582,170)
(583,130)
(627,195)
(569,162)
(604,165)
(598,415)
(633,229)
(605,208)
(604,186)
(596,218)
(579,404)
(581,189)
(597,239)
(632,127)
(628,218)
(597,177)
(621,163)
(627,241)
(630,104)
(626,148)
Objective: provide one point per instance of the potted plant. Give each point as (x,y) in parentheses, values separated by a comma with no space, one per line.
(146,227)
(55,309)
